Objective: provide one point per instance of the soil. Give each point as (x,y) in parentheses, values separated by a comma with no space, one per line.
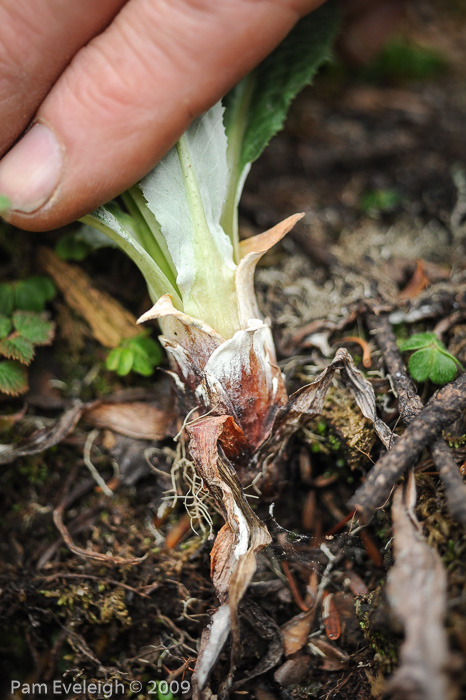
(377,161)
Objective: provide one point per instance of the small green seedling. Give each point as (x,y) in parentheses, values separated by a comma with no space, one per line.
(376,202)
(19,337)
(140,354)
(431,360)
(70,247)
(31,294)
(402,61)
(22,329)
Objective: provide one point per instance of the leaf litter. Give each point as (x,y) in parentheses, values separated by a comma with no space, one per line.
(342,296)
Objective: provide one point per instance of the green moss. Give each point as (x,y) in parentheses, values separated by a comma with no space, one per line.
(370,610)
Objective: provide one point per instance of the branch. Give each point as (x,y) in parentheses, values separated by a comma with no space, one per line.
(424,425)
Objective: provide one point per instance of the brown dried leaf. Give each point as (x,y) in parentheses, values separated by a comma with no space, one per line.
(137,419)
(292,671)
(245,370)
(355,583)
(308,401)
(416,590)
(236,377)
(330,617)
(109,321)
(189,332)
(252,249)
(418,282)
(265,629)
(234,553)
(333,658)
(296,631)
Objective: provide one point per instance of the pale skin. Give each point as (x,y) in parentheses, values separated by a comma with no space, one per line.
(94,93)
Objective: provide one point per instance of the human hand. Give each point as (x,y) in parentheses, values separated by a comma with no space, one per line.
(110,86)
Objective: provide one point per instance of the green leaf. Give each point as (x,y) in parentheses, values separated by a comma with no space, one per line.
(421,364)
(142,365)
(148,347)
(5,326)
(157,282)
(418,341)
(445,368)
(125,362)
(13,378)
(69,247)
(431,359)
(147,354)
(31,326)
(376,201)
(256,108)
(6,299)
(33,293)
(113,357)
(140,354)
(17,348)
(279,78)
(185,192)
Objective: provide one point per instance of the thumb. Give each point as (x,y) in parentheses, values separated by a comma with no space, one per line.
(127,97)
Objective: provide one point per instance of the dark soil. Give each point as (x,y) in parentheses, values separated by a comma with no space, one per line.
(378,164)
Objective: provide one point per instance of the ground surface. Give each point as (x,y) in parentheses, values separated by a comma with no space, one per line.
(379,167)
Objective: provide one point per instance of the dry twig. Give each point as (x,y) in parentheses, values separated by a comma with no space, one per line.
(442,410)
(410,406)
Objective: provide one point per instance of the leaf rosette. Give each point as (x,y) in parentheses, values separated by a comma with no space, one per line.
(180,226)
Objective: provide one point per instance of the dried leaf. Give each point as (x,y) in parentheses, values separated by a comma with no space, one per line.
(330,617)
(296,631)
(236,377)
(264,628)
(418,282)
(109,321)
(250,379)
(252,249)
(189,332)
(308,401)
(233,556)
(416,590)
(293,671)
(333,658)
(137,419)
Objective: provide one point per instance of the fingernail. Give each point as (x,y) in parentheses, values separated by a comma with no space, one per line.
(30,172)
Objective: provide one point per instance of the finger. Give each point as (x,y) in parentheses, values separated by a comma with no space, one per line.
(37,41)
(128,96)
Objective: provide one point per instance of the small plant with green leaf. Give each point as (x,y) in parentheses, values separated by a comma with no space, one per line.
(430,359)
(22,329)
(180,226)
(140,354)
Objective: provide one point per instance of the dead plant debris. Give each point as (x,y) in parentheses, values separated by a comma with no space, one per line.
(108,524)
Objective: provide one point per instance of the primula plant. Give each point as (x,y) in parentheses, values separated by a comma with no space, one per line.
(180,226)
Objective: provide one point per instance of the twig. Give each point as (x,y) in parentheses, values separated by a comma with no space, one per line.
(91,466)
(79,551)
(410,406)
(442,410)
